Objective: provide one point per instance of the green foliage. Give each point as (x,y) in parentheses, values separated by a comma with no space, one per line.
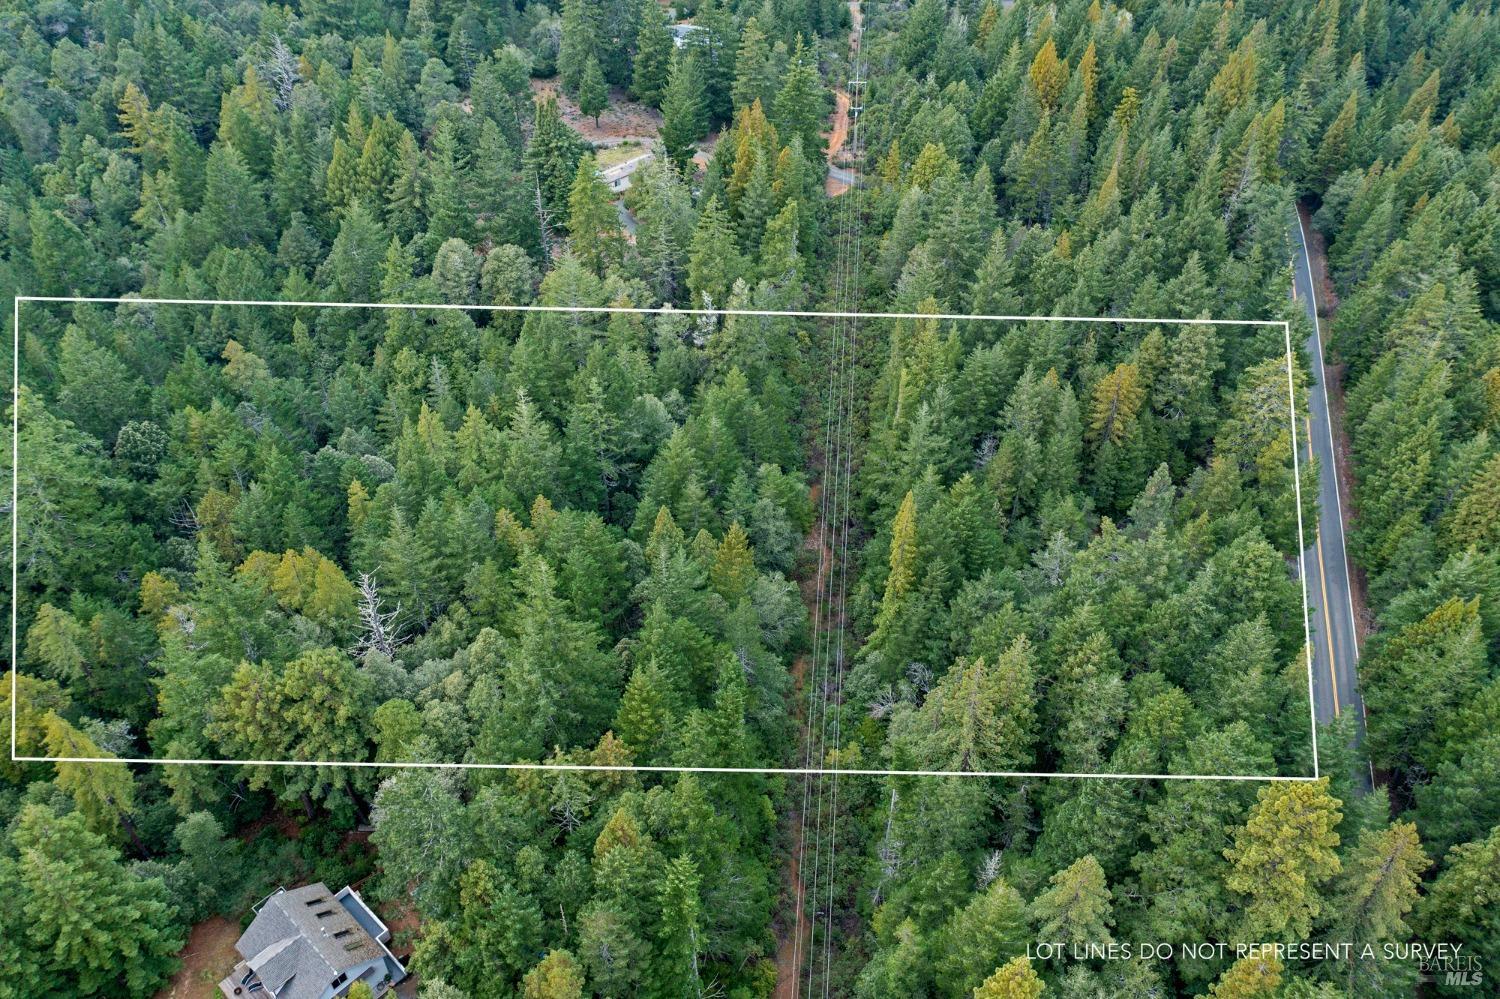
(593,95)
(684,113)
(89,925)
(330,534)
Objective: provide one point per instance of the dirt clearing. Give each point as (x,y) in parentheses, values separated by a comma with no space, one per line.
(207,958)
(623,120)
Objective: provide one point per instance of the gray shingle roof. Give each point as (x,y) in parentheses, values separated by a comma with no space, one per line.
(302,939)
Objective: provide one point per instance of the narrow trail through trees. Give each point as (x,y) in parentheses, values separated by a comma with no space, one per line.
(794,937)
(814,885)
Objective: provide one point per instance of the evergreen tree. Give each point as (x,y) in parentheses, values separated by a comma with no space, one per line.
(582,40)
(593,223)
(1283,855)
(551,162)
(798,107)
(684,115)
(593,94)
(653,56)
(1012,980)
(92,925)
(756,75)
(1076,909)
(714,261)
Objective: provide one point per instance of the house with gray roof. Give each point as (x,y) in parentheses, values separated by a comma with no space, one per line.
(310,943)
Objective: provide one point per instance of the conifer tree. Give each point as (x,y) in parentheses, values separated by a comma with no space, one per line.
(903,561)
(92,924)
(684,114)
(733,569)
(104,793)
(1283,855)
(1379,884)
(797,109)
(755,72)
(653,56)
(714,261)
(1013,980)
(1428,667)
(582,40)
(1076,909)
(551,159)
(234,207)
(1464,902)
(593,223)
(1248,978)
(593,94)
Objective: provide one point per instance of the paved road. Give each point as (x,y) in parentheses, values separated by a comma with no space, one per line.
(1335,645)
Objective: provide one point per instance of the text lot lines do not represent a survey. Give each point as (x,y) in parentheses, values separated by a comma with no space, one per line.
(1284,325)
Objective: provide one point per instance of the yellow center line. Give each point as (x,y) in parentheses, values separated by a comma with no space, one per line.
(1323,585)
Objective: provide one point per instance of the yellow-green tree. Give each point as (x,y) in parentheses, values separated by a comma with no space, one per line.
(1282,857)
(1012,980)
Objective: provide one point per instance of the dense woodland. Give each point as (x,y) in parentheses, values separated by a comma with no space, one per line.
(601,539)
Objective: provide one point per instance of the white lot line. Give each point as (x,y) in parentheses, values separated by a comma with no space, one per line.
(665,310)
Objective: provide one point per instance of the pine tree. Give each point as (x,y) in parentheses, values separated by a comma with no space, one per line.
(1335,151)
(1473,521)
(1463,904)
(798,107)
(1012,980)
(755,72)
(1076,909)
(676,972)
(684,114)
(234,207)
(1117,401)
(733,569)
(991,927)
(582,40)
(903,561)
(1425,670)
(1252,977)
(714,261)
(104,793)
(593,94)
(645,716)
(551,158)
(558,976)
(780,256)
(449,213)
(1379,886)
(653,56)
(756,205)
(1283,855)
(1048,75)
(93,924)
(593,223)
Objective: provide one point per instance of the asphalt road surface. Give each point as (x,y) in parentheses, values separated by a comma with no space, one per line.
(1335,645)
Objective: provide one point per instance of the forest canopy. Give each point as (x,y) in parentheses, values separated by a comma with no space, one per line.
(600,541)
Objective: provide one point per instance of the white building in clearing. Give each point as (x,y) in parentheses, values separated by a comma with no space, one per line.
(682,32)
(618,176)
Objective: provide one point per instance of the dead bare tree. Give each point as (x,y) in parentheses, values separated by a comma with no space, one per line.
(281,73)
(989,869)
(378,626)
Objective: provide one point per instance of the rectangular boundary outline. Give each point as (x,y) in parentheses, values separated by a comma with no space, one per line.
(1286,328)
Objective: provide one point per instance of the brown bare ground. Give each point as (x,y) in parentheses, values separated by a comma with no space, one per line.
(794,937)
(622,120)
(207,958)
(793,941)
(838,134)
